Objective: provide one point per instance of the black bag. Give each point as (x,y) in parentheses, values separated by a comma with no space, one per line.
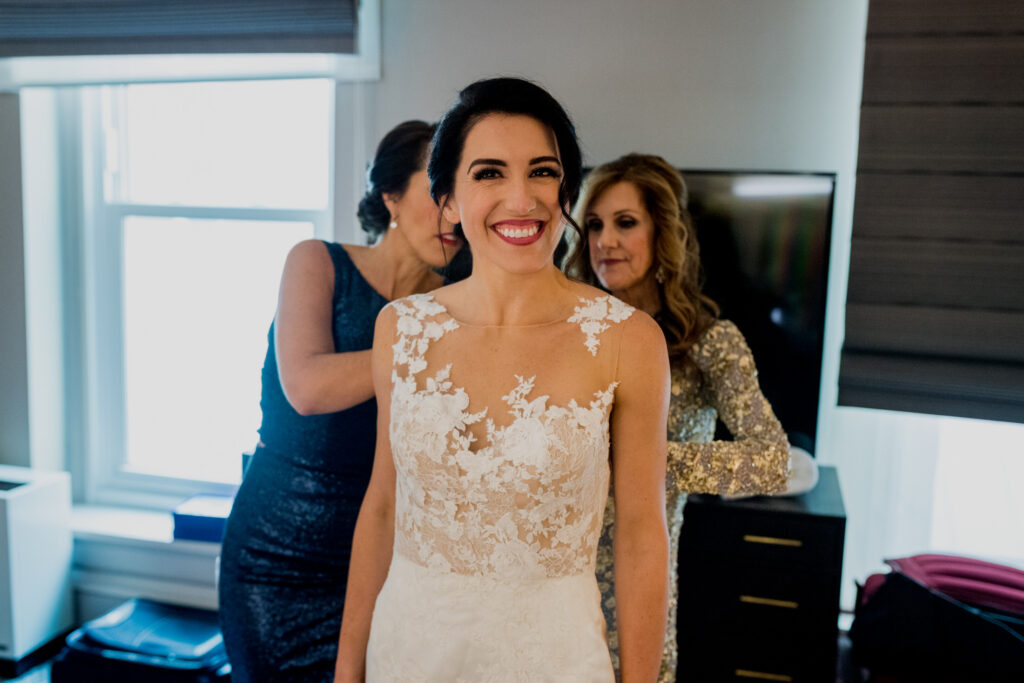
(914,632)
(145,642)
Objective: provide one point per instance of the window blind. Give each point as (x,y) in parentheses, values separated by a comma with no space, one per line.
(30,28)
(935,304)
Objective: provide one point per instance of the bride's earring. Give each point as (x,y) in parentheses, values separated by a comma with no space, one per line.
(393,224)
(660,274)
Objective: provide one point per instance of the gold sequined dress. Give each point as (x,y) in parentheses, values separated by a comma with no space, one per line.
(719,380)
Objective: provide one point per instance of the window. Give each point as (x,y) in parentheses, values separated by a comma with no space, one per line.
(977,508)
(193,194)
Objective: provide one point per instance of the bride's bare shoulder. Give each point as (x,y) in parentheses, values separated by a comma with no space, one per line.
(580,290)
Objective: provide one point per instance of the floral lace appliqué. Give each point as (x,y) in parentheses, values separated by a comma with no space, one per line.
(591,317)
(525,502)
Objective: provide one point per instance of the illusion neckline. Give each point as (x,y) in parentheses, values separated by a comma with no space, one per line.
(521,326)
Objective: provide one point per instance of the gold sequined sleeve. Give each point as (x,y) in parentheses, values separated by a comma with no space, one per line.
(757,460)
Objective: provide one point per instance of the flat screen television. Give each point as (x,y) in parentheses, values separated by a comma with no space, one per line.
(764,241)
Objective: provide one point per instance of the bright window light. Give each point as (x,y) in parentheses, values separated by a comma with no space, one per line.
(978,508)
(245,144)
(206,187)
(199,296)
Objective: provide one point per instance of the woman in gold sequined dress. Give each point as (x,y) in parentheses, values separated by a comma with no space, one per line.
(640,245)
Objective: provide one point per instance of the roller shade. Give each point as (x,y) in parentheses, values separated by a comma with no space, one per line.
(935,304)
(30,28)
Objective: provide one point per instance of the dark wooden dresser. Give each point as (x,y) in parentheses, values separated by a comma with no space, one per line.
(759,586)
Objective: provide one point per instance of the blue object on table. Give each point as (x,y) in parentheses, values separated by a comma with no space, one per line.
(202,518)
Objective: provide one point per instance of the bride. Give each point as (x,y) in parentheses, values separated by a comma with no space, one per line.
(507,401)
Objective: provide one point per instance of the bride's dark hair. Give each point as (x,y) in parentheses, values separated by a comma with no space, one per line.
(504,96)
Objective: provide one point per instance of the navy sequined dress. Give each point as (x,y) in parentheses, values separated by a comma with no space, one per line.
(285,556)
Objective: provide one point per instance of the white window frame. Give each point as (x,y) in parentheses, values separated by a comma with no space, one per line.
(64,208)
(103,449)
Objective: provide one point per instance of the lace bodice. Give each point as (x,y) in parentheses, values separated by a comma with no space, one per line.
(500,439)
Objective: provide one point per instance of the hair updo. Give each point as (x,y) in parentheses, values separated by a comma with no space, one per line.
(514,96)
(401,153)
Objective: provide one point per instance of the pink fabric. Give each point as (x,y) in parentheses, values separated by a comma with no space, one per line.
(872,584)
(975,582)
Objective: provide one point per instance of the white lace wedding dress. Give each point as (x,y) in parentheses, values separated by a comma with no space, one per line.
(500,441)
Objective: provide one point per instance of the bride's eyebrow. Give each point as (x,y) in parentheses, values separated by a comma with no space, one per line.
(485,162)
(498,162)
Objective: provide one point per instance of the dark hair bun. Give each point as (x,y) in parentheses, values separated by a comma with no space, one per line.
(373,215)
(400,154)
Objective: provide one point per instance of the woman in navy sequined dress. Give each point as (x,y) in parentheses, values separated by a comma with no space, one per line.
(284,563)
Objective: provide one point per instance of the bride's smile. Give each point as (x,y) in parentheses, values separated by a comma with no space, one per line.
(519,231)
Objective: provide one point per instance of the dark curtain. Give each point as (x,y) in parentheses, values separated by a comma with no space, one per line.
(120,27)
(935,306)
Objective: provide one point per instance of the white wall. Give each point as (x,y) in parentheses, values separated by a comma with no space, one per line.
(31,389)
(14,401)
(705,83)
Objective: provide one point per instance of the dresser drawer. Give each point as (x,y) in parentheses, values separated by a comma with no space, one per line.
(727,535)
(759,586)
(720,653)
(765,599)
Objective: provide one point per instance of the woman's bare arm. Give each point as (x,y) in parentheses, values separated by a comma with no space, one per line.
(374,534)
(638,471)
(314,377)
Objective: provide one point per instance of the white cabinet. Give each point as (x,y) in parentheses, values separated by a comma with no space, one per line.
(35,559)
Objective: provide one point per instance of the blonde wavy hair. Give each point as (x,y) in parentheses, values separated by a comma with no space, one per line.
(686,312)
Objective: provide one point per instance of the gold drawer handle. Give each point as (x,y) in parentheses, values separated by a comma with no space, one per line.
(769,540)
(788,604)
(743,673)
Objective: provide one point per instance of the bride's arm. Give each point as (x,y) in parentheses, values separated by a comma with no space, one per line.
(375,528)
(638,471)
